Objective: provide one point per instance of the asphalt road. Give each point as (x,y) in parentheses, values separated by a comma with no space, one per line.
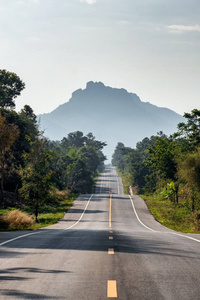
(107,246)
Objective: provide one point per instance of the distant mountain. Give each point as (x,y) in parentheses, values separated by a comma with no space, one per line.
(112,115)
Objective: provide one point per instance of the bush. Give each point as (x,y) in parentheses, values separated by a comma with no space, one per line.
(193,221)
(16,220)
(3,223)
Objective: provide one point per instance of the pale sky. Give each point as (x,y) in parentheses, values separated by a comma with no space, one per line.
(149,47)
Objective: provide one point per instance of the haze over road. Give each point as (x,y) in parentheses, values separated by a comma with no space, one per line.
(107,246)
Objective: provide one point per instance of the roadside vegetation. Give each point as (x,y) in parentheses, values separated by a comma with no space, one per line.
(39,178)
(165,170)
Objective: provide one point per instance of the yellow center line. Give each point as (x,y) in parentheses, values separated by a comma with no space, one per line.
(112,289)
(110,251)
(110,237)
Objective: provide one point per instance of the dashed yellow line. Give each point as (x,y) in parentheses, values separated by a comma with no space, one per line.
(110,223)
(110,237)
(112,289)
(111,251)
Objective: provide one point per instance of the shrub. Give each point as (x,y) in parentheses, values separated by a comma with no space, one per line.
(17,220)
(3,223)
(193,221)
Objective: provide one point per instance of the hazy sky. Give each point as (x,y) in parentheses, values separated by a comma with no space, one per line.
(149,47)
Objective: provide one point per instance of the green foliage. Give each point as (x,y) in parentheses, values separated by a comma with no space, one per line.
(50,213)
(34,166)
(37,176)
(8,135)
(168,167)
(189,169)
(177,217)
(126,181)
(190,130)
(119,156)
(132,162)
(14,159)
(189,172)
(10,87)
(162,158)
(79,159)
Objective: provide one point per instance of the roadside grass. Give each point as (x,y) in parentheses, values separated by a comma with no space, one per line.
(175,216)
(125,180)
(16,219)
(95,183)
(178,217)
(48,214)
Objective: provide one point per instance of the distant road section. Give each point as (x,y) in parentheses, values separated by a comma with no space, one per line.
(108,246)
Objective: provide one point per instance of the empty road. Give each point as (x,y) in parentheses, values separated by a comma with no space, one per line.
(108,246)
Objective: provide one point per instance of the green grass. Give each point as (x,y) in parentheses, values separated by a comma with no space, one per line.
(177,217)
(48,214)
(4,212)
(125,181)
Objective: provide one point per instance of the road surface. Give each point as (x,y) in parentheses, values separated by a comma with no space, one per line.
(107,246)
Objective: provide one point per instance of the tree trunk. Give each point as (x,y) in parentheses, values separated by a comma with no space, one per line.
(193,207)
(2,195)
(2,182)
(36,211)
(176,192)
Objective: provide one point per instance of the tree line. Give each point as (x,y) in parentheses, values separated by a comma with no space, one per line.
(168,164)
(32,166)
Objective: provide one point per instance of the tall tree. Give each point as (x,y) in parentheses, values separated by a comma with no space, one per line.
(8,135)
(76,139)
(162,158)
(10,87)
(189,171)
(191,129)
(37,176)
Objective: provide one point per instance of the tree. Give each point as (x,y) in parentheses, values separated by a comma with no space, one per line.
(118,158)
(131,162)
(90,141)
(10,87)
(78,161)
(28,131)
(37,177)
(189,171)
(162,158)
(79,178)
(76,139)
(190,130)
(8,135)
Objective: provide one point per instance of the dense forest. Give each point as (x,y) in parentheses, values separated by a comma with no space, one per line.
(33,167)
(168,166)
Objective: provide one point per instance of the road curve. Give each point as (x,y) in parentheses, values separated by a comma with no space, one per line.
(107,246)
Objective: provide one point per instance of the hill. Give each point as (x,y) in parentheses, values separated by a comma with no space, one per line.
(112,115)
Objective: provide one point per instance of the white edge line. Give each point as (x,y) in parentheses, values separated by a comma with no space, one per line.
(81,215)
(32,233)
(186,236)
(19,237)
(138,217)
(175,233)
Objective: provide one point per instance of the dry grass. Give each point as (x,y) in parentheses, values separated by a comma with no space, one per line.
(16,220)
(64,194)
